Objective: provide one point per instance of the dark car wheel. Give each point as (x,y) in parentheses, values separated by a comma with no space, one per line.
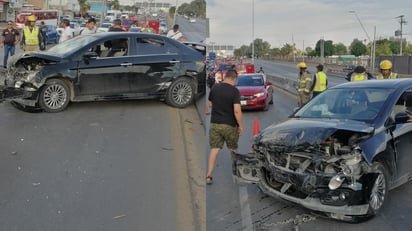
(180,93)
(54,96)
(379,191)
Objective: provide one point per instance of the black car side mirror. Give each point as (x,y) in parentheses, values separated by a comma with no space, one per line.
(89,55)
(401,117)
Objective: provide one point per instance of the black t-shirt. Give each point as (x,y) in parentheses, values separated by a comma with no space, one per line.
(10,36)
(223,96)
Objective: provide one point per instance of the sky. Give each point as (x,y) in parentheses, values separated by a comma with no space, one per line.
(304,22)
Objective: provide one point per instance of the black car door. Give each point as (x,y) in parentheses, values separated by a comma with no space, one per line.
(107,74)
(155,64)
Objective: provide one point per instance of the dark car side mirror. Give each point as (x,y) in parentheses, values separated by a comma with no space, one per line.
(401,117)
(89,55)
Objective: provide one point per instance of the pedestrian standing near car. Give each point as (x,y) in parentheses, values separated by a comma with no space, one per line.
(386,70)
(117,26)
(32,39)
(68,32)
(358,74)
(90,27)
(304,84)
(226,119)
(320,81)
(261,70)
(176,34)
(10,37)
(43,31)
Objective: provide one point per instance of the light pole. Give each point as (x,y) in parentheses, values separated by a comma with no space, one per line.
(372,64)
(401,21)
(174,18)
(253,31)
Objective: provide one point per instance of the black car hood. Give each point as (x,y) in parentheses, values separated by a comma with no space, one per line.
(296,132)
(42,55)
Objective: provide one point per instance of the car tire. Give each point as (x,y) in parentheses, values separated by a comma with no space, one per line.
(54,96)
(379,190)
(181,93)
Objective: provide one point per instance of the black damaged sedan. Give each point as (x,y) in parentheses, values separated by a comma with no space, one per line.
(339,154)
(108,66)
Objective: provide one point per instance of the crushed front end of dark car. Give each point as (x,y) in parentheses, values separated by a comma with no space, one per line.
(325,159)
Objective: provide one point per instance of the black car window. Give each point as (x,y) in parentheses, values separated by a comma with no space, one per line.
(153,46)
(113,48)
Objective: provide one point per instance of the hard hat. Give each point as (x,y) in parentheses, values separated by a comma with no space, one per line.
(301,65)
(31,18)
(385,64)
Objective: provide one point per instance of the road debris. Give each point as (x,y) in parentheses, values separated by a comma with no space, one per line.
(118,217)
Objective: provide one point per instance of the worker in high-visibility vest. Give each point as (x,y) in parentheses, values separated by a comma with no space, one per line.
(304,87)
(320,81)
(32,38)
(359,74)
(386,70)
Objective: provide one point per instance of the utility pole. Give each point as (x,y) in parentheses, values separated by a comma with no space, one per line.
(402,21)
(322,51)
(253,31)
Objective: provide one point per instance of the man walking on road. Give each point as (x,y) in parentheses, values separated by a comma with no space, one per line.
(304,84)
(226,120)
(320,81)
(9,38)
(68,32)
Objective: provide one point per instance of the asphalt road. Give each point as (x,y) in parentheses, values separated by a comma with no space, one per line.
(232,206)
(133,165)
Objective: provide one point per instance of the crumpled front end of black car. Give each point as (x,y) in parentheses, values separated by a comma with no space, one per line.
(331,176)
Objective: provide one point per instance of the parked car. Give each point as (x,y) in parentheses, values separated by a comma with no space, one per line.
(221,71)
(51,35)
(163,28)
(255,91)
(108,66)
(340,153)
(349,68)
(126,24)
(104,27)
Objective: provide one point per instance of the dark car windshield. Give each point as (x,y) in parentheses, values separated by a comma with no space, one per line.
(249,80)
(361,104)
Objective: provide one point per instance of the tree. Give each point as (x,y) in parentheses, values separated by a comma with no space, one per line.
(340,49)
(328,48)
(84,7)
(261,47)
(242,51)
(357,48)
(287,50)
(116,5)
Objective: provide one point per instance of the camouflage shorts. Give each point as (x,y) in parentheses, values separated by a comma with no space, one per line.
(220,133)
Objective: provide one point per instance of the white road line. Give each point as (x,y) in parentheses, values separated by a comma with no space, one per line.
(246,216)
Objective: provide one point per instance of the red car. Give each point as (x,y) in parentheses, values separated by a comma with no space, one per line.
(255,91)
(126,24)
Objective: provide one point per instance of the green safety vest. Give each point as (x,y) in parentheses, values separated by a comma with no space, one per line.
(358,77)
(392,75)
(320,82)
(31,37)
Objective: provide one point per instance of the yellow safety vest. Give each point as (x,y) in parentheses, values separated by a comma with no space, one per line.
(320,82)
(392,75)
(305,82)
(32,37)
(358,77)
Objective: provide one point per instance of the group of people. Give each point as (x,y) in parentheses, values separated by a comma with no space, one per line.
(309,87)
(33,37)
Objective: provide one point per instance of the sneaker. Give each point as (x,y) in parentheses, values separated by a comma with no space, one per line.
(209,180)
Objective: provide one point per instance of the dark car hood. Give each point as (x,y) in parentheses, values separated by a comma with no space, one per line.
(296,132)
(42,55)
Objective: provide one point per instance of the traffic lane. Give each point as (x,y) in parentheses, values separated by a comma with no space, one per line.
(194,32)
(231,206)
(227,208)
(290,71)
(98,166)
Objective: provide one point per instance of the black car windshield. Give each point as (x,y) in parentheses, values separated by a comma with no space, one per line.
(249,80)
(361,104)
(72,45)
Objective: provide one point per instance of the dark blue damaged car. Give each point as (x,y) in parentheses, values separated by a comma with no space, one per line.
(108,66)
(339,154)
